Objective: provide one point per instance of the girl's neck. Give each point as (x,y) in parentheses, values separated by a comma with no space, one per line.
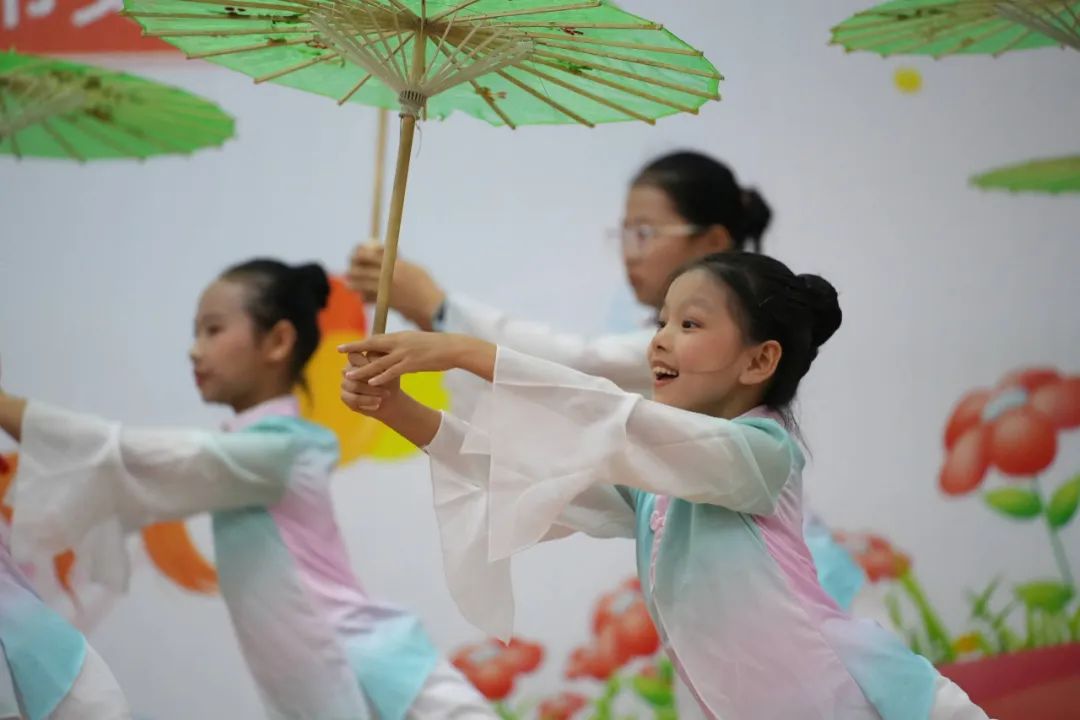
(260,395)
(736,405)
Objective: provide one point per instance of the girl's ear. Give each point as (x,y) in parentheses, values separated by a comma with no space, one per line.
(764,360)
(279,341)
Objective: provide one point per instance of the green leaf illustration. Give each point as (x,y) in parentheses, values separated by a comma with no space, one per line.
(654,691)
(1014,502)
(1063,504)
(1046,595)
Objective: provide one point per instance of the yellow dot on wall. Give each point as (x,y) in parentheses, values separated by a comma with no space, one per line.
(907,80)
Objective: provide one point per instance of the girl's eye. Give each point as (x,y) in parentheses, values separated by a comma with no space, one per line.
(660,323)
(690,324)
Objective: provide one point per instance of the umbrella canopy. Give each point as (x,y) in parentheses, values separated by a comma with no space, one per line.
(56,109)
(1052,175)
(509,62)
(947,27)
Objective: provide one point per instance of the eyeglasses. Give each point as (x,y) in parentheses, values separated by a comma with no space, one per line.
(635,238)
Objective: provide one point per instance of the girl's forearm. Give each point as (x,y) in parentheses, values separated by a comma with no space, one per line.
(413,420)
(476,356)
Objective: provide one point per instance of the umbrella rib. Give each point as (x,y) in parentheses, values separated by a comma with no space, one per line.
(157,141)
(12,136)
(970,36)
(166,122)
(711,74)
(628,75)
(903,43)
(623,88)
(401,6)
(250,48)
(179,108)
(296,13)
(591,96)
(394,63)
(926,32)
(893,34)
(690,52)
(331,55)
(225,33)
(1034,23)
(64,144)
(1020,14)
(356,88)
(433,68)
(888,27)
(452,66)
(496,60)
(486,96)
(77,121)
(56,102)
(452,11)
(1021,37)
(579,26)
(357,53)
(544,99)
(192,117)
(1073,13)
(374,29)
(536,11)
(295,6)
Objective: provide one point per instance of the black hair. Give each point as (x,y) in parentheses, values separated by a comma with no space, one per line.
(706,193)
(285,292)
(800,312)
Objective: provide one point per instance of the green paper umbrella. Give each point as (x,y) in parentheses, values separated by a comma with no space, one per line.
(1053,175)
(508,62)
(55,109)
(947,27)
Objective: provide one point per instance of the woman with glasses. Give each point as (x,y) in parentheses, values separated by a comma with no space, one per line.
(679,208)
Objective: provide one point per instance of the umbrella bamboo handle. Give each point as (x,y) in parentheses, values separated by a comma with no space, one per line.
(393,227)
(375,230)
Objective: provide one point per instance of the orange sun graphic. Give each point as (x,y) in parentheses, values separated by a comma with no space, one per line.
(343,321)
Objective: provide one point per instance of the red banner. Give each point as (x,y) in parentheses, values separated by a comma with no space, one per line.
(71,27)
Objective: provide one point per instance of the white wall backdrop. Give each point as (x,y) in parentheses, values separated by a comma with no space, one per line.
(944,288)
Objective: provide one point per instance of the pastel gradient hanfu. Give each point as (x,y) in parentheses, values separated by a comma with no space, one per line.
(715,507)
(317,645)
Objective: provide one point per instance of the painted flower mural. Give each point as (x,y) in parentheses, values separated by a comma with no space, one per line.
(1019,654)
(562,707)
(622,631)
(1014,429)
(621,653)
(493,667)
(883,563)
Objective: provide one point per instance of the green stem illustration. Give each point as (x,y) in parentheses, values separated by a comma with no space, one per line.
(935,629)
(1055,541)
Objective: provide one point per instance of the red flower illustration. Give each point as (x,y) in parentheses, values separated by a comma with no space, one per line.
(492,667)
(589,661)
(877,557)
(622,622)
(622,631)
(562,707)
(1012,427)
